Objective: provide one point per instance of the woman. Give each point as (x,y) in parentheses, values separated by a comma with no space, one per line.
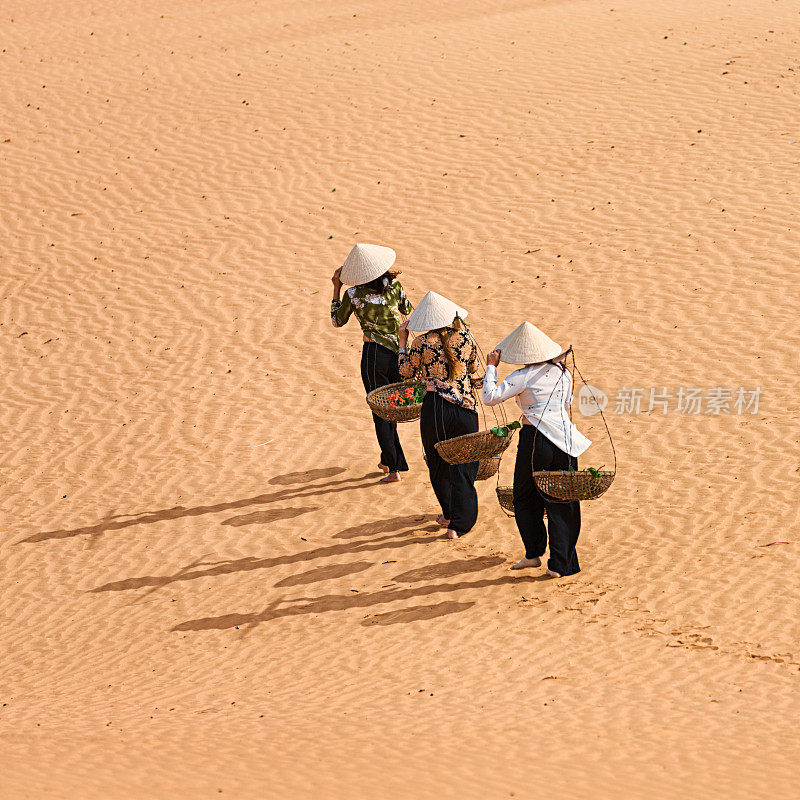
(377,299)
(548,441)
(446,359)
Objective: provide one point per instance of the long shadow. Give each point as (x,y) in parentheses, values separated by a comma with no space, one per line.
(416,613)
(446,569)
(381,526)
(338,602)
(268,515)
(449,569)
(325,573)
(118,522)
(288,478)
(252,563)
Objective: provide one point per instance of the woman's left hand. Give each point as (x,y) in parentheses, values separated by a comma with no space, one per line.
(493,359)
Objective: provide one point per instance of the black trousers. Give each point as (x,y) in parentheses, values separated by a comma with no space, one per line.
(379,367)
(453,484)
(563,519)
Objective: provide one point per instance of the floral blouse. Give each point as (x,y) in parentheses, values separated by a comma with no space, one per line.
(425,360)
(378,314)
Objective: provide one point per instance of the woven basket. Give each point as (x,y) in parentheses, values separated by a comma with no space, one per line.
(580,485)
(505,496)
(378,401)
(473,447)
(487,468)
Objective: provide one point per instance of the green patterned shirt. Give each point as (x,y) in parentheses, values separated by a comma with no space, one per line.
(378,314)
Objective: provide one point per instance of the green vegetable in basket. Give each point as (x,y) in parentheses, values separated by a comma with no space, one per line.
(595,473)
(503,430)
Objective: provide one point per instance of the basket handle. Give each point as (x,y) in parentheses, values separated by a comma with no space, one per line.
(602,415)
(502,419)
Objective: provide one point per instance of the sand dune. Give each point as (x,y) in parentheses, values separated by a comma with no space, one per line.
(204,591)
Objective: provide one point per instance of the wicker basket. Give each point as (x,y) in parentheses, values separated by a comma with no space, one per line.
(505,496)
(378,401)
(580,485)
(473,447)
(487,468)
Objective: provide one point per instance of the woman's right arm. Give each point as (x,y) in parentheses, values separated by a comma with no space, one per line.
(494,393)
(340,309)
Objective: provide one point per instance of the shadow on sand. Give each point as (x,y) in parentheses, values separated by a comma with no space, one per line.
(368,537)
(342,602)
(399,537)
(117,522)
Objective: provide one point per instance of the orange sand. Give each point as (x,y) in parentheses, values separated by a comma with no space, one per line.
(186,614)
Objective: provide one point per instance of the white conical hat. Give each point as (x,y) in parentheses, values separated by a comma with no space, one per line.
(434,311)
(527,345)
(365,263)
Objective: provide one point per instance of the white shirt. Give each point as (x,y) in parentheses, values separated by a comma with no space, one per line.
(544,393)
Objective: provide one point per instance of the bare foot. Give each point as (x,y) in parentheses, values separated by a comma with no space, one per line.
(527,562)
(442,522)
(553,574)
(392,477)
(383,468)
(451,534)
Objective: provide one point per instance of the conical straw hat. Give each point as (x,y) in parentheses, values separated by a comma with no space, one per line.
(365,263)
(527,345)
(434,311)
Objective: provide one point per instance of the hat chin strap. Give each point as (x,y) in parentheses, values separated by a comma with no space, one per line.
(559,359)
